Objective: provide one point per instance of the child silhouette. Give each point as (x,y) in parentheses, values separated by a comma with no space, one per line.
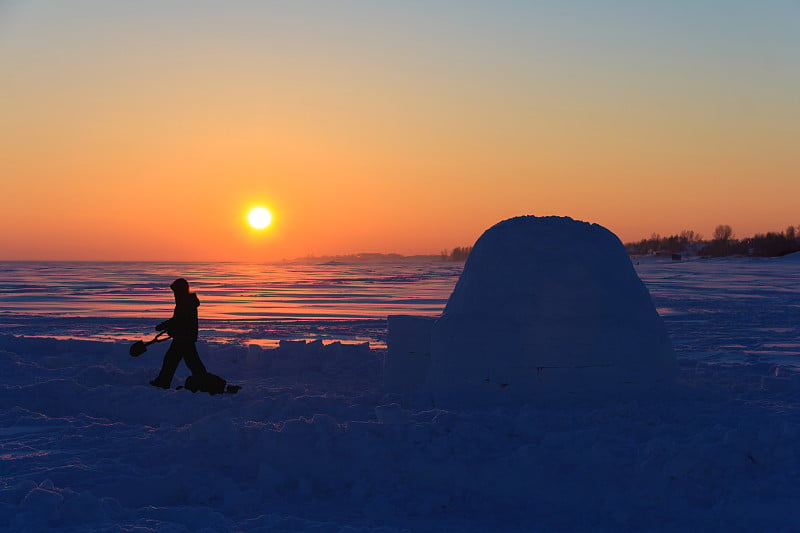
(182,327)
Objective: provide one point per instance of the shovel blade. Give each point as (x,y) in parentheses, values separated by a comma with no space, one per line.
(138,348)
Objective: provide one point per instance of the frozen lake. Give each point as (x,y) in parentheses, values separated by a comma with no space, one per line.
(728,309)
(312,442)
(247,303)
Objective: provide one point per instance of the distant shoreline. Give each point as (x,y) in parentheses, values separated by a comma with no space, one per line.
(315,260)
(369,258)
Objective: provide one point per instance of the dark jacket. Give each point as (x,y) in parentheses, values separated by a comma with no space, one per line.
(183,324)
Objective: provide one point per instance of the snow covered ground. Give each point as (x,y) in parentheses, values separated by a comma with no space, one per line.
(313,443)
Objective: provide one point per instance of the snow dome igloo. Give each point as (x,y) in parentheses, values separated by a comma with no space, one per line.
(547,301)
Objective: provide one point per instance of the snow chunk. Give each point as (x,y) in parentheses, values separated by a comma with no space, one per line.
(407,362)
(547,302)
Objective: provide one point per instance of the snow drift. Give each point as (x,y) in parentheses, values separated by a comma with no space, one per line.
(547,302)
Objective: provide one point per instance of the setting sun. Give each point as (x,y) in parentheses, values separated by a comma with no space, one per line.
(259,217)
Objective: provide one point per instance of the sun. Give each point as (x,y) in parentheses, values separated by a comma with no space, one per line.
(259,217)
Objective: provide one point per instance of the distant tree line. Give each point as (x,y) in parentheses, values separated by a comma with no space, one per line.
(673,244)
(723,243)
(459,253)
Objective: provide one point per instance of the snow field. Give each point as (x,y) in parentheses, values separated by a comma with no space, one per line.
(313,442)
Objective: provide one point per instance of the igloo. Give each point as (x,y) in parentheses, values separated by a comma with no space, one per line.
(547,302)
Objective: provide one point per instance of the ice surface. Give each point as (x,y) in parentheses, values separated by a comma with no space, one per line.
(547,302)
(314,442)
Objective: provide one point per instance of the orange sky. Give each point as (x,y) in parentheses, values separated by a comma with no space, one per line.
(135,131)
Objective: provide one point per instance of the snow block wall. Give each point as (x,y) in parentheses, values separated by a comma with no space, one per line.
(409,356)
(547,302)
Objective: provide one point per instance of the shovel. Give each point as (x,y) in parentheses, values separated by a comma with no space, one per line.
(139,347)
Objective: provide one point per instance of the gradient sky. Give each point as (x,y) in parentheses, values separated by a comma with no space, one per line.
(145,129)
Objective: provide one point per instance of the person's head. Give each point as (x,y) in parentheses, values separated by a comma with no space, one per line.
(180,286)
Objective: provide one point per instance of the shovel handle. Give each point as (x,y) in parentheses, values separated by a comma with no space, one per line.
(158,338)
(139,347)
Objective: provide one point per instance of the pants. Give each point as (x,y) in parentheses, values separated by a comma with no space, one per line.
(180,349)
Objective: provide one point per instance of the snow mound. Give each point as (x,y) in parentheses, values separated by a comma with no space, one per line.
(547,301)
